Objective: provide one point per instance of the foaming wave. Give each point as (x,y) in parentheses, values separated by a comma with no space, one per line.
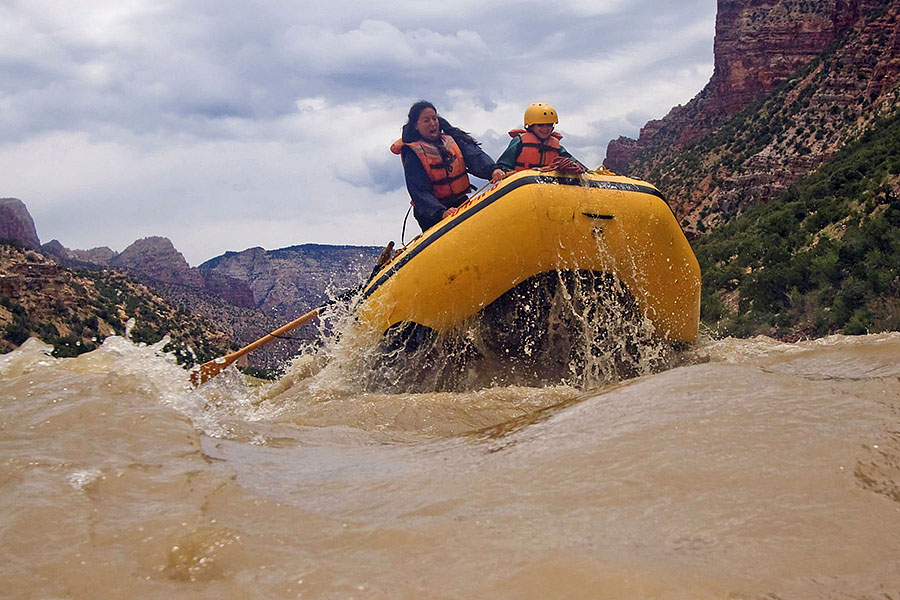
(31,355)
(136,368)
(79,480)
(571,328)
(564,333)
(764,349)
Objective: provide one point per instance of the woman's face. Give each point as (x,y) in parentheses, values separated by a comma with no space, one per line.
(427,125)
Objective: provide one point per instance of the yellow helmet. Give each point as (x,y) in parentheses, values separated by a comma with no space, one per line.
(540,114)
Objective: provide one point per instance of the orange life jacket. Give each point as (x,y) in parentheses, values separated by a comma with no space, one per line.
(534,152)
(449,178)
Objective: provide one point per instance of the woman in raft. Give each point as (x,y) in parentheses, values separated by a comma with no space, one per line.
(437,159)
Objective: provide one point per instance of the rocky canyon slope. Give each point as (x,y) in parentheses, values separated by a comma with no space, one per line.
(240,296)
(793,82)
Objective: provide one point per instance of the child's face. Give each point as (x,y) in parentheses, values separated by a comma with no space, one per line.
(542,130)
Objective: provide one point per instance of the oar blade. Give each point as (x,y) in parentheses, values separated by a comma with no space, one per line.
(208,370)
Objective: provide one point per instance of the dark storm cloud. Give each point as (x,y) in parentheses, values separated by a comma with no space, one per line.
(142,103)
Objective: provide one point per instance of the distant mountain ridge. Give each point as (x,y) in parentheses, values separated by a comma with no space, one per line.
(76,311)
(281,283)
(155,260)
(289,281)
(246,294)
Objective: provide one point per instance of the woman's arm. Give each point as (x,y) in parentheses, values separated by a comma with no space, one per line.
(478,163)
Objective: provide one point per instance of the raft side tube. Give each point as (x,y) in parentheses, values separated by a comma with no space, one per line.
(534,223)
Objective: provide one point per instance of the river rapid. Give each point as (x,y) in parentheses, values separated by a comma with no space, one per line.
(748,469)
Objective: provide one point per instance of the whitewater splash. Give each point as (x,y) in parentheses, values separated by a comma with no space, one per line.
(574,328)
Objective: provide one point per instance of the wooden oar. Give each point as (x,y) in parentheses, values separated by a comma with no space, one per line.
(208,370)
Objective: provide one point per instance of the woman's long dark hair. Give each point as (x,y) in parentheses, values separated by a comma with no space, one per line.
(411,134)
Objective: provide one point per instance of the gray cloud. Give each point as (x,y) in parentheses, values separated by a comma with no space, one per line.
(270,122)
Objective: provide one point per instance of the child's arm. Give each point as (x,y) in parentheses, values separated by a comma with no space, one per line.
(507,160)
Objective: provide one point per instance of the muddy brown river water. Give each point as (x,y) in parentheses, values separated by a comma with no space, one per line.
(754,469)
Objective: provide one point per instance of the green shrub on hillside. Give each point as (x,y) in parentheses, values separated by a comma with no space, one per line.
(823,258)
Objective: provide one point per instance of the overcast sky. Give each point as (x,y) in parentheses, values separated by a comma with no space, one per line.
(224,126)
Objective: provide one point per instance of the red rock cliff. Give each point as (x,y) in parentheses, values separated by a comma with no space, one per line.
(758,45)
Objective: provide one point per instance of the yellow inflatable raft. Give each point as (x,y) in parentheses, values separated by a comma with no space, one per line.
(531,224)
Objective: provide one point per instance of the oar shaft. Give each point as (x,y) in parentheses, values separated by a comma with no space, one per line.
(211,368)
(275,334)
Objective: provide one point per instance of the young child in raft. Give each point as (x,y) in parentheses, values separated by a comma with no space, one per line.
(537,146)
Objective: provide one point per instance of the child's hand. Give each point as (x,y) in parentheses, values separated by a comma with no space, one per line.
(565,165)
